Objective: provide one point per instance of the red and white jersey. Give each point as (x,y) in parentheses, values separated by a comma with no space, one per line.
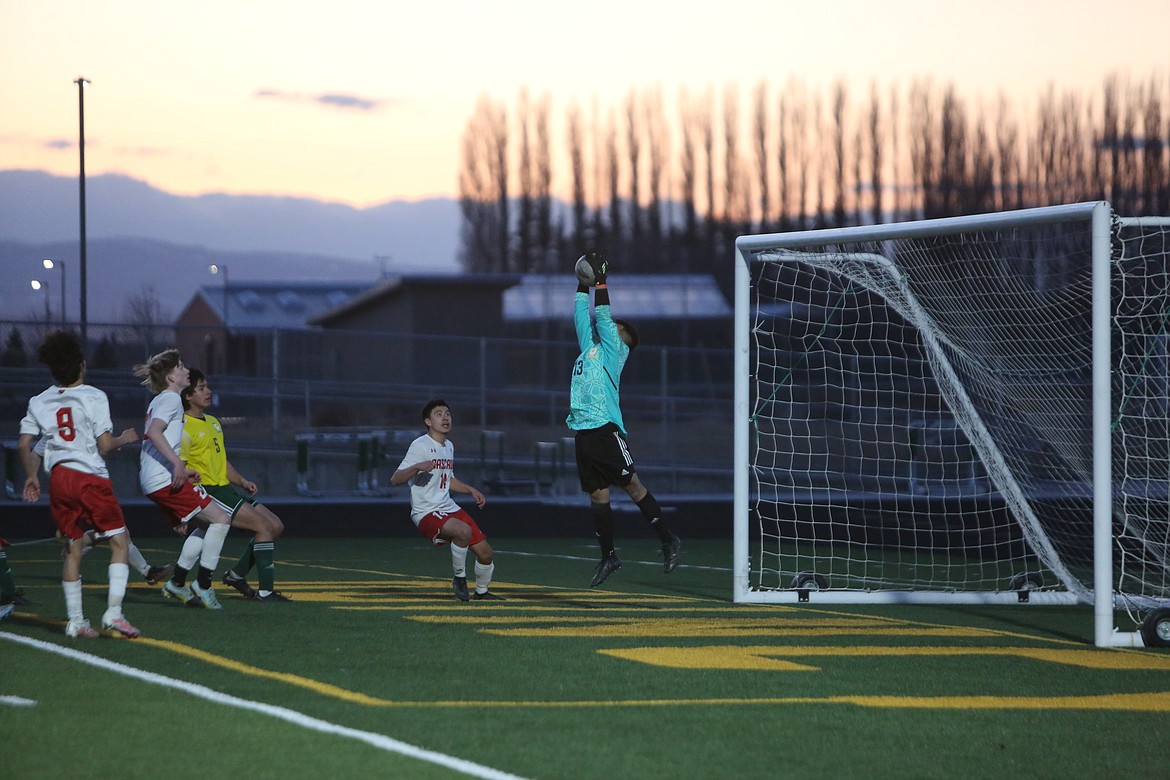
(430,491)
(70,420)
(154,470)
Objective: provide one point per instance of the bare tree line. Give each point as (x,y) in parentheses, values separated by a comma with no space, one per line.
(669,192)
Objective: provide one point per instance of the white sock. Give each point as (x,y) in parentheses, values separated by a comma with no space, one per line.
(119,576)
(212,545)
(483,576)
(189,556)
(459,560)
(73,600)
(137,561)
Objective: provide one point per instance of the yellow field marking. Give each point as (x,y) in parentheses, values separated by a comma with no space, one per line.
(325,689)
(1132,702)
(1138,702)
(691,622)
(699,627)
(686,658)
(764,657)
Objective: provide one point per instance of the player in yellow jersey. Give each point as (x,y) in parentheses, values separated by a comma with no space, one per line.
(204,451)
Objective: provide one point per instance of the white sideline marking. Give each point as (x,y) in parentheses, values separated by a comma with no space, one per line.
(17,701)
(379,741)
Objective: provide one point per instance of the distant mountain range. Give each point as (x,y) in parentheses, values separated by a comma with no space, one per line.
(140,237)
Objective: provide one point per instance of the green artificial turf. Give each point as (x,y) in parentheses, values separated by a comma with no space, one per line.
(561,681)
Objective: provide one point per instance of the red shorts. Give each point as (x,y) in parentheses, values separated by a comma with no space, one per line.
(76,498)
(431,524)
(181,505)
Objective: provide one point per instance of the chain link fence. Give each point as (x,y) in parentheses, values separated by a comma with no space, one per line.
(326,410)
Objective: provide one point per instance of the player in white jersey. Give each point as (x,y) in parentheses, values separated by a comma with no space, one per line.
(74,419)
(429,468)
(166,480)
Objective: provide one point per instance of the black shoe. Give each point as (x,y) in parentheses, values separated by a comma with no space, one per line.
(275,595)
(17,599)
(608,566)
(487,596)
(670,552)
(156,574)
(459,584)
(239,583)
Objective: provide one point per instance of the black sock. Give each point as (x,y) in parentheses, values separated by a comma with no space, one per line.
(603,527)
(203,577)
(652,512)
(179,576)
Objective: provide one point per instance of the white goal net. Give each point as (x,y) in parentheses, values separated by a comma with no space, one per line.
(967,409)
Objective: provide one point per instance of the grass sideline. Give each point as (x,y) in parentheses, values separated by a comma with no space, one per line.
(649,676)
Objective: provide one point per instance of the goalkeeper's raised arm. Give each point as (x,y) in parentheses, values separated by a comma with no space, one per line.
(594,389)
(603,454)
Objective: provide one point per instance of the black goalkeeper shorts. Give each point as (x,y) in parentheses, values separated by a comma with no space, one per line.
(603,458)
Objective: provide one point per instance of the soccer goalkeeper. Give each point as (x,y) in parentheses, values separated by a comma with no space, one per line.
(603,455)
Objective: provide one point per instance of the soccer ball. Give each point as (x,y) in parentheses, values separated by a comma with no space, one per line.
(584,271)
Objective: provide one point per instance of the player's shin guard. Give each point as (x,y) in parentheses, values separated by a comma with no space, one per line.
(119,576)
(7,585)
(247,560)
(265,557)
(458,560)
(189,555)
(652,512)
(213,545)
(138,560)
(73,600)
(483,576)
(603,527)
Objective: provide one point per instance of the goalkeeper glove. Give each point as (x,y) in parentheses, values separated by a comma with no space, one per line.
(600,267)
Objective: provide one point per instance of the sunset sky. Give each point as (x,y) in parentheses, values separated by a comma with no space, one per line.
(366,102)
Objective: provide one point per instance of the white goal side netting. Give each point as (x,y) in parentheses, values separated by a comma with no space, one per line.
(917,408)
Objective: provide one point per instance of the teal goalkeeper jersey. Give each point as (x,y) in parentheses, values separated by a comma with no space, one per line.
(594,396)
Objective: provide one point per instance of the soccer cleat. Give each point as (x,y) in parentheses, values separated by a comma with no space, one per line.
(275,595)
(17,599)
(608,566)
(121,626)
(487,595)
(239,583)
(180,592)
(459,584)
(6,610)
(81,629)
(670,552)
(205,596)
(156,574)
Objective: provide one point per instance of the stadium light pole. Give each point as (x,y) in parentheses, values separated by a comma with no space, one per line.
(81,83)
(227,334)
(37,284)
(50,263)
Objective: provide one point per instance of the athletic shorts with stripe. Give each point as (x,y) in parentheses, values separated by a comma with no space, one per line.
(230,497)
(430,525)
(181,505)
(603,458)
(77,498)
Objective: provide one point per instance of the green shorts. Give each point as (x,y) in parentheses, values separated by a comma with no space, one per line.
(230,497)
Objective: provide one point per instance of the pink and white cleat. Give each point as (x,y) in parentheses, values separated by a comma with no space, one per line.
(122,626)
(81,629)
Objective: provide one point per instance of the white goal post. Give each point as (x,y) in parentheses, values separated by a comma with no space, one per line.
(960,410)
